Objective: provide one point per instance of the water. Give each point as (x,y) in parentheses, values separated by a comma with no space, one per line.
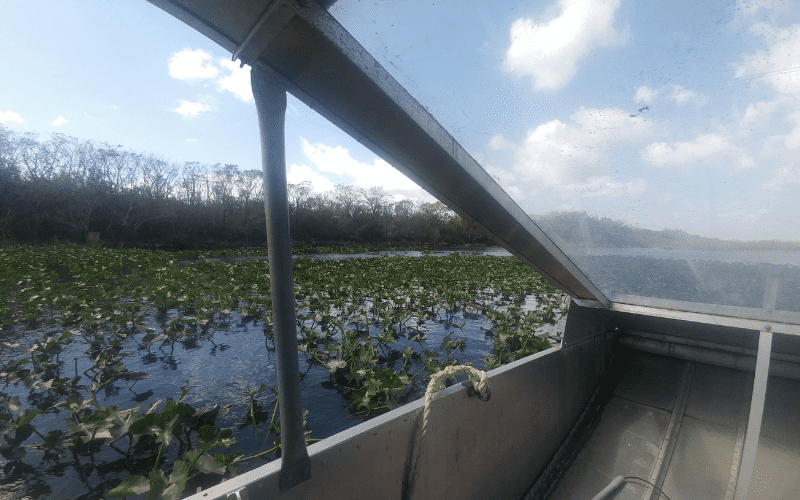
(219,364)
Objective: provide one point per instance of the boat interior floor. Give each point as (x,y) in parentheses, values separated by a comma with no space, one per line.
(680,425)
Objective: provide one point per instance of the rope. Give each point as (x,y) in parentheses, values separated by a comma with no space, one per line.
(480,382)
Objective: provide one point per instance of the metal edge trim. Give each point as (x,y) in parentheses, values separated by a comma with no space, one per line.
(762,315)
(708,319)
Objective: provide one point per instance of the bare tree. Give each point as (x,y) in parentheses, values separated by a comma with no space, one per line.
(347,197)
(36,159)
(158,177)
(375,198)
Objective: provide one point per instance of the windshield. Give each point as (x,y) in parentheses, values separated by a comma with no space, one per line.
(656,144)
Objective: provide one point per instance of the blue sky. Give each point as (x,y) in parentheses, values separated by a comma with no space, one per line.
(540,93)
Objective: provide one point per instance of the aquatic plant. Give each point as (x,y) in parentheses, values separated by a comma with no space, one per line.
(69,314)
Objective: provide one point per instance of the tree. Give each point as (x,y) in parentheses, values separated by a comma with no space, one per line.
(347,198)
(157,176)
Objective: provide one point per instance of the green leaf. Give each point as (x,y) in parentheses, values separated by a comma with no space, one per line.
(158,481)
(209,465)
(177,481)
(14,403)
(192,455)
(207,433)
(134,485)
(26,416)
(145,425)
(226,438)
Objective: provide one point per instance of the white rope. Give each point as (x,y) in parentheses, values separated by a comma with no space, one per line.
(480,382)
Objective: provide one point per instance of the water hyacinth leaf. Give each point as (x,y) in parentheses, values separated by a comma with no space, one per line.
(121,422)
(158,482)
(382,301)
(13,453)
(209,465)
(14,403)
(22,433)
(193,455)
(145,424)
(134,485)
(335,364)
(177,481)
(207,433)
(26,416)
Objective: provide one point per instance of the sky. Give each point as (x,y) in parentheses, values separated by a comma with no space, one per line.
(663,115)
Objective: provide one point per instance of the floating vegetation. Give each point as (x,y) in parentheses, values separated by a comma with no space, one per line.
(74,319)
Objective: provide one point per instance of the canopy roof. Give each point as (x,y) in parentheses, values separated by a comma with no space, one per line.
(656,149)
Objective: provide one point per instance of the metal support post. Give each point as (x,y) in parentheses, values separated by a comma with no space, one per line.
(756,413)
(270,97)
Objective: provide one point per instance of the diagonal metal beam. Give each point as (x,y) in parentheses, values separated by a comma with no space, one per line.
(325,67)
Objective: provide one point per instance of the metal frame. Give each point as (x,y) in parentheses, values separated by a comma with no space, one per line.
(756,414)
(324,66)
(708,319)
(473,449)
(296,45)
(764,314)
(270,98)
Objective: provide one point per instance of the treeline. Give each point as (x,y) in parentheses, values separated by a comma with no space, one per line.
(70,189)
(579,229)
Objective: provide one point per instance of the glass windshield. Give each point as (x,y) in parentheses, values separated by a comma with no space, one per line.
(658,144)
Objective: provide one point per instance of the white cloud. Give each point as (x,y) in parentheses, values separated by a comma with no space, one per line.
(605,186)
(10,117)
(785,146)
(337,160)
(550,51)
(190,109)
(783,178)
(301,173)
(778,65)
(707,149)
(751,7)
(191,64)
(645,94)
(499,143)
(681,95)
(191,141)
(237,81)
(58,122)
(571,158)
(197,64)
(758,112)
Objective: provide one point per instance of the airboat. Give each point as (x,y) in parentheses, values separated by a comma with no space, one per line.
(660,388)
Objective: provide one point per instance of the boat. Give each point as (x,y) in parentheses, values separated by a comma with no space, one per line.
(658,389)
